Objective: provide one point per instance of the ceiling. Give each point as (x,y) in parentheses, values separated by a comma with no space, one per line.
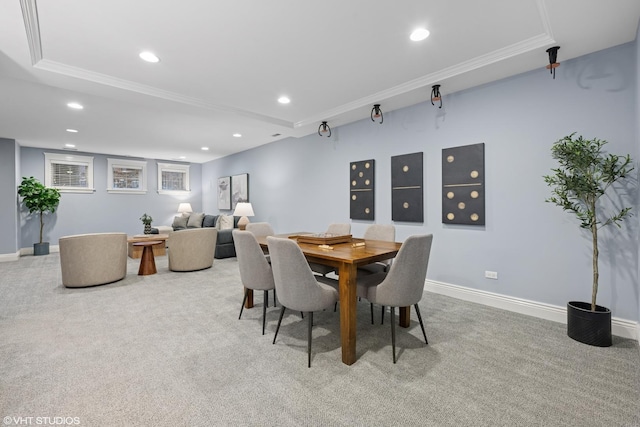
(224,63)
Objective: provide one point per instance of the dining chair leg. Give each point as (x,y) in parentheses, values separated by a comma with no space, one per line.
(279,321)
(264,309)
(371,305)
(309,338)
(393,333)
(421,324)
(244,300)
(275,304)
(382,315)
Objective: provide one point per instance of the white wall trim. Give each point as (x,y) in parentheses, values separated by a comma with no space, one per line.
(29,251)
(620,327)
(10,257)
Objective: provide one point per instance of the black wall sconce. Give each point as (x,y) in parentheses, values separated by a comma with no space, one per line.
(435,95)
(553,60)
(324,128)
(376,113)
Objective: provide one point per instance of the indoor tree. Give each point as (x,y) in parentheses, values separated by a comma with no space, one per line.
(585,173)
(38,198)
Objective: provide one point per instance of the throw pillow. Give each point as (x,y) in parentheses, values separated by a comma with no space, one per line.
(180,222)
(195,220)
(209,221)
(226,222)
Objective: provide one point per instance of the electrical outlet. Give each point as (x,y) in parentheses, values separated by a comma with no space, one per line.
(491,275)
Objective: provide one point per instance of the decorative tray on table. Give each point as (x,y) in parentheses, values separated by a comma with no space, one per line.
(324,238)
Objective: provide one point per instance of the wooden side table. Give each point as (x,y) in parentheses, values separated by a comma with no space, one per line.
(147,261)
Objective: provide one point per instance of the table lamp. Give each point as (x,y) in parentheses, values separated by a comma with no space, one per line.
(243,210)
(184,208)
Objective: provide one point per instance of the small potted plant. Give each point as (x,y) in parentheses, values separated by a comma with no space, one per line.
(146,220)
(585,174)
(39,200)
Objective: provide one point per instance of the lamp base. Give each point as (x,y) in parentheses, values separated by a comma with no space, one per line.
(242,222)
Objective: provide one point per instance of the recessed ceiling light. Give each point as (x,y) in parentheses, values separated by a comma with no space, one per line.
(237,135)
(72,130)
(284,100)
(182,157)
(419,34)
(149,57)
(205,148)
(75,106)
(70,145)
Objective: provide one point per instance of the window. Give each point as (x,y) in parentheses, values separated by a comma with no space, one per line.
(173,178)
(68,173)
(126,176)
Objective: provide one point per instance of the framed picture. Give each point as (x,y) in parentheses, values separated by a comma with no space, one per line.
(224,192)
(239,189)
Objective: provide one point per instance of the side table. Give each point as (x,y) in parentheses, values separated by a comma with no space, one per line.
(147,261)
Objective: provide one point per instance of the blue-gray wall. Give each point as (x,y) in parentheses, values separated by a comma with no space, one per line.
(538,250)
(9,152)
(101,211)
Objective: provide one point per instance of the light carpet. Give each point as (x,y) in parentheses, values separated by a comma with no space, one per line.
(169,350)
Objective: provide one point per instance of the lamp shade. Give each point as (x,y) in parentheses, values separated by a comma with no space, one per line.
(243,209)
(184,208)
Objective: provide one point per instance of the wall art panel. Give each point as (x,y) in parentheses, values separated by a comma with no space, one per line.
(361,183)
(463,188)
(406,188)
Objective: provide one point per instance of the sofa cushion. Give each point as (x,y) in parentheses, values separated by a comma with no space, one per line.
(226,222)
(195,220)
(209,221)
(180,222)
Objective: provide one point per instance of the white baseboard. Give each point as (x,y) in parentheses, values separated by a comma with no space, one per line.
(10,257)
(29,251)
(620,327)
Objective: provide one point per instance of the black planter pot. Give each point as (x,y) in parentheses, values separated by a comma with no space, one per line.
(41,248)
(589,327)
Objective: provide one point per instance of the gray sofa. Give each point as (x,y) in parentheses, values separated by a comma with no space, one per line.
(224,243)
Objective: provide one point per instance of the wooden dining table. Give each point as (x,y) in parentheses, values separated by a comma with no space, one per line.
(346,257)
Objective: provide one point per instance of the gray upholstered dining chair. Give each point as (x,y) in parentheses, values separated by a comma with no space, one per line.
(339,230)
(403,285)
(260,229)
(255,271)
(386,232)
(298,288)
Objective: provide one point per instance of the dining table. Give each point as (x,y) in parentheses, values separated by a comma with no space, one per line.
(346,258)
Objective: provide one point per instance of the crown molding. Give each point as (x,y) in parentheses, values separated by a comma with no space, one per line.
(32,27)
(30,16)
(107,80)
(522,47)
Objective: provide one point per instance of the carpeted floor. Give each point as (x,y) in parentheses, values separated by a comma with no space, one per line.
(169,350)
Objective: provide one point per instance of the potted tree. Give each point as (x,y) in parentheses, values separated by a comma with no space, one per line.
(585,174)
(41,200)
